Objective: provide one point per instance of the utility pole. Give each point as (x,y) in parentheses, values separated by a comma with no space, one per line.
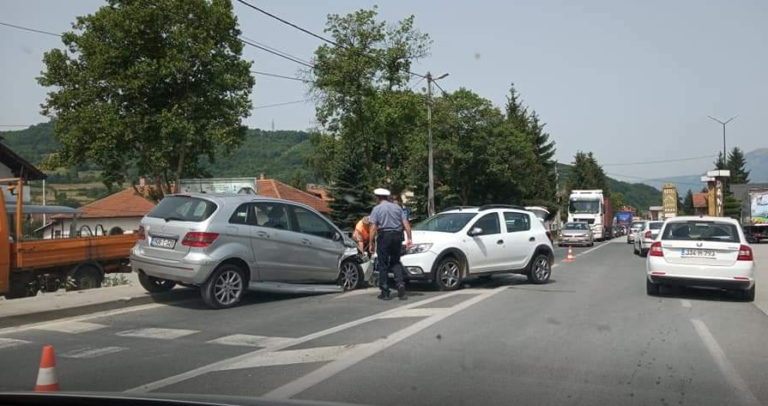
(431,192)
(723,123)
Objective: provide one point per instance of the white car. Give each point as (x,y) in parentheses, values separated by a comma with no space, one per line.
(645,237)
(463,243)
(701,251)
(634,228)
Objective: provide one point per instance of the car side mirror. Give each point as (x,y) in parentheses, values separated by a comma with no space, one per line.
(475,231)
(336,237)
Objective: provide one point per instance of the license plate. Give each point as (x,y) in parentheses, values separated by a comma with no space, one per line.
(697,253)
(163,243)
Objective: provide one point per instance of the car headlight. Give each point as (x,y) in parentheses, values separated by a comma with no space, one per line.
(418,248)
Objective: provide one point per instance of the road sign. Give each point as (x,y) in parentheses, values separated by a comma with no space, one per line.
(669,200)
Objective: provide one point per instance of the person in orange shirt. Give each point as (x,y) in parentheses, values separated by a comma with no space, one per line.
(362,234)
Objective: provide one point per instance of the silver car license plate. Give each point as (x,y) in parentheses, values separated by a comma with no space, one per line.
(697,253)
(163,243)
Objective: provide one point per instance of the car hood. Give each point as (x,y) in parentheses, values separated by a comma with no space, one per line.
(433,237)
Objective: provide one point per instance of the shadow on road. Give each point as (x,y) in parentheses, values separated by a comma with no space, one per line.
(713,295)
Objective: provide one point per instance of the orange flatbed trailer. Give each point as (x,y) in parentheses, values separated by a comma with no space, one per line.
(26,265)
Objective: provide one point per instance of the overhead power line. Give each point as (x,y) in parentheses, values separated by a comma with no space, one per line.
(661,162)
(281,104)
(276,50)
(306,31)
(275,75)
(244,41)
(30,29)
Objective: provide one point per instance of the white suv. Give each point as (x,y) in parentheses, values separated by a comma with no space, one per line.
(468,242)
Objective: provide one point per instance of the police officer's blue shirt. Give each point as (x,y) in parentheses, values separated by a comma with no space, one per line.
(388,216)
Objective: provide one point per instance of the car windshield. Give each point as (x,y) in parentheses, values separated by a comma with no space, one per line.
(576,226)
(584,206)
(183,208)
(655,226)
(701,231)
(637,225)
(445,222)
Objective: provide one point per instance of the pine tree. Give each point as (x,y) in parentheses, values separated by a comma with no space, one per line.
(688,203)
(587,173)
(732,207)
(719,164)
(544,151)
(736,164)
(351,193)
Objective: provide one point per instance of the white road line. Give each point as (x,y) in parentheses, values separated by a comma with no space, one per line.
(249,340)
(230,361)
(157,333)
(70,327)
(591,249)
(361,353)
(726,368)
(106,313)
(12,342)
(685,302)
(420,312)
(307,355)
(89,352)
(358,292)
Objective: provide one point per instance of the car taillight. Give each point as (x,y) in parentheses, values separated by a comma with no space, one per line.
(648,235)
(655,250)
(142,235)
(199,240)
(745,254)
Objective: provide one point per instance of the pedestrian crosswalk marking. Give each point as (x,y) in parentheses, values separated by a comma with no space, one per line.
(90,352)
(11,342)
(320,354)
(418,312)
(70,327)
(249,340)
(157,333)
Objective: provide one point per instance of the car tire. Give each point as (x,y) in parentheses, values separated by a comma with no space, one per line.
(748,295)
(643,253)
(351,275)
(634,249)
(448,275)
(225,287)
(87,277)
(539,270)
(652,289)
(155,285)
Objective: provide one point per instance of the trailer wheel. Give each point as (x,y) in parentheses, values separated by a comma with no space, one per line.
(87,277)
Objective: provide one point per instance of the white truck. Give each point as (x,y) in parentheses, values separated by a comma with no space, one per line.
(593,208)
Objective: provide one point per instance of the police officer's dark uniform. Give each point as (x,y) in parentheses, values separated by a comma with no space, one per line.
(388,221)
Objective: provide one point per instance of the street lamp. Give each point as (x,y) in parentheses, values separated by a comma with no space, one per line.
(723,123)
(431,192)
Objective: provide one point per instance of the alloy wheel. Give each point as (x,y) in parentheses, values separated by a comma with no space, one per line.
(449,274)
(349,275)
(228,288)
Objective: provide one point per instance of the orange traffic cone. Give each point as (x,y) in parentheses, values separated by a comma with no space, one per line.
(569,257)
(46,377)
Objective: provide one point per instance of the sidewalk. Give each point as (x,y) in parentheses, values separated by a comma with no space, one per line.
(48,306)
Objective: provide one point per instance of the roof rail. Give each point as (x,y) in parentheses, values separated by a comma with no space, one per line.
(501,206)
(458,208)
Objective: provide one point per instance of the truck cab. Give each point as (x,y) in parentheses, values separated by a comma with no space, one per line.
(591,207)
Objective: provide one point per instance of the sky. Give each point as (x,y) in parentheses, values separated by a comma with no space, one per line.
(630,81)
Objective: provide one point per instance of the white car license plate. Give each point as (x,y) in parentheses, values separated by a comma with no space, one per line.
(163,243)
(697,253)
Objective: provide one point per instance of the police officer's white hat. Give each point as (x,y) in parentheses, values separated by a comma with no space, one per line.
(381,192)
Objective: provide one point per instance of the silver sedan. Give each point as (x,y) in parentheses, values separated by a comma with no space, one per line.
(577,233)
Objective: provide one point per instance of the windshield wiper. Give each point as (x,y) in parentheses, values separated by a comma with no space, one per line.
(167,219)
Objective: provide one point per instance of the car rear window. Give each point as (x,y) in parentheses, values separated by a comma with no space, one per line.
(701,231)
(183,208)
(656,226)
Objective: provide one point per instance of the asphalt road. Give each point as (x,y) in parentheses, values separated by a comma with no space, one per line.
(591,336)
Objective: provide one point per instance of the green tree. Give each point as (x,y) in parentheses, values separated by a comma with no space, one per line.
(732,207)
(688,203)
(736,164)
(149,89)
(719,163)
(297,180)
(617,201)
(587,173)
(351,192)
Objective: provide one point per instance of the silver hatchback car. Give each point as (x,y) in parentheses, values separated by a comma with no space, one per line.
(227,243)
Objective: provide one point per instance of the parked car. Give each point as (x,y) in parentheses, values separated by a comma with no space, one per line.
(644,238)
(634,228)
(577,233)
(464,243)
(227,243)
(701,251)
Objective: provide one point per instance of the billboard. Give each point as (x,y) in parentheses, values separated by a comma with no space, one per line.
(669,200)
(758,202)
(623,218)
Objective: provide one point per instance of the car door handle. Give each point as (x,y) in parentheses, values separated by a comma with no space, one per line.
(262,234)
(306,241)
(532,239)
(500,242)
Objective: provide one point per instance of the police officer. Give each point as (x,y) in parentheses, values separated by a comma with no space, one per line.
(388,221)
